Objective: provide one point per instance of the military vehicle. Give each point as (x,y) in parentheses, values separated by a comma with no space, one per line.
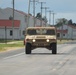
(44,37)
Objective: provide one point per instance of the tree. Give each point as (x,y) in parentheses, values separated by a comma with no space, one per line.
(30,14)
(61,21)
(45,19)
(38,16)
(70,22)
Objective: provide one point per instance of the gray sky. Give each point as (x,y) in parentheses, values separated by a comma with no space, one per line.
(62,8)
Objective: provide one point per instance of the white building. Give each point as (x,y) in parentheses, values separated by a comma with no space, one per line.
(6,29)
(66,31)
(7,13)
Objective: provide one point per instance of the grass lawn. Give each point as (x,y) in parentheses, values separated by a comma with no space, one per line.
(6,41)
(63,41)
(14,44)
(18,44)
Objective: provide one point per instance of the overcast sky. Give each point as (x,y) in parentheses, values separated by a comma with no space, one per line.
(62,8)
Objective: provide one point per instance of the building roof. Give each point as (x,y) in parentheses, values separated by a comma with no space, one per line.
(72,26)
(8,23)
(21,12)
(62,31)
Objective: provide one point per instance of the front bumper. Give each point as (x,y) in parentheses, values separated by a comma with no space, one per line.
(41,42)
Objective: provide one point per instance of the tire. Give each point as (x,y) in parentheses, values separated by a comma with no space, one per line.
(28,48)
(54,48)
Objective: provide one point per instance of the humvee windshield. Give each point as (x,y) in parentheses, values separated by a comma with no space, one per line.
(41,32)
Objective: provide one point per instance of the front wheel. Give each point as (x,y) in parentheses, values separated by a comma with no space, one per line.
(28,48)
(54,48)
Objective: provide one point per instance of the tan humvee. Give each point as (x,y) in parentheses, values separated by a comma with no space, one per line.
(40,37)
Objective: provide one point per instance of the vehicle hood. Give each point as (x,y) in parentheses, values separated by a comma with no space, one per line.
(41,37)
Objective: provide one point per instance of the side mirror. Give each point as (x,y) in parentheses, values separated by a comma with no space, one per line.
(25,35)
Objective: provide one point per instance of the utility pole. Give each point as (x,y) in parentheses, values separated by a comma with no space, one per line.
(50,17)
(67,31)
(34,1)
(13,22)
(6,34)
(53,17)
(61,22)
(45,13)
(72,34)
(28,13)
(41,11)
(34,11)
(62,32)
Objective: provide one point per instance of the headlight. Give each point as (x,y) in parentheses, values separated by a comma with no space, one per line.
(33,40)
(47,40)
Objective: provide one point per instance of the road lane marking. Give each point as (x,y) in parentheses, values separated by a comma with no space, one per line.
(54,69)
(13,56)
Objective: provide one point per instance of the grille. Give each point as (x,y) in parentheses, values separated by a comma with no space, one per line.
(41,37)
(40,40)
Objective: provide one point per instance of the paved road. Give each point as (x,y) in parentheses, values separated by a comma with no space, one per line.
(40,62)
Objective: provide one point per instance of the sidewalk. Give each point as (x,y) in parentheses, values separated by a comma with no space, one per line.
(13,42)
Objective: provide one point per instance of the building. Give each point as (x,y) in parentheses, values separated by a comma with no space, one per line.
(6,31)
(21,18)
(7,15)
(66,32)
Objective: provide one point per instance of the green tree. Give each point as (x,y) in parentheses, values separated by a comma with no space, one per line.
(45,19)
(61,21)
(70,22)
(38,16)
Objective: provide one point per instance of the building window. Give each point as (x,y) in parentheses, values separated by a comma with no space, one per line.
(10,18)
(58,34)
(11,32)
(63,34)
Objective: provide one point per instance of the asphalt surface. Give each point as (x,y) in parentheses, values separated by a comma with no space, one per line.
(40,62)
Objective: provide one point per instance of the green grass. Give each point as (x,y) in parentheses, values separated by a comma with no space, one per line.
(18,43)
(6,41)
(63,41)
(4,46)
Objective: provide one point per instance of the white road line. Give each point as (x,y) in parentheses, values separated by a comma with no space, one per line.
(54,69)
(13,56)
